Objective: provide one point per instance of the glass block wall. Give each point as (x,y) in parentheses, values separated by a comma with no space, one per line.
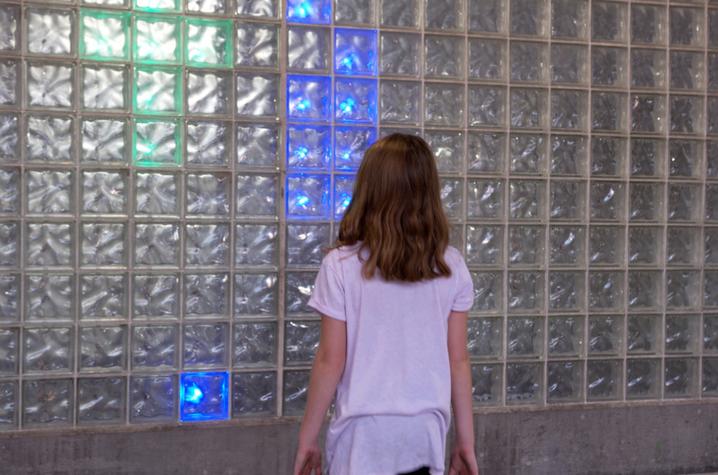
(170,169)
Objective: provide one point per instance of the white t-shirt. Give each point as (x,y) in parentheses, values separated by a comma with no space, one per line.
(393,402)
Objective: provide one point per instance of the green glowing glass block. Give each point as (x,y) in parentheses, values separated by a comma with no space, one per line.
(157,142)
(157,5)
(157,39)
(104,36)
(209,43)
(157,90)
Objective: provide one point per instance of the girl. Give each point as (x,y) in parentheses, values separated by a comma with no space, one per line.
(394,298)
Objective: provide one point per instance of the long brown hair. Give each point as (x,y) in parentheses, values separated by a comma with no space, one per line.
(396,211)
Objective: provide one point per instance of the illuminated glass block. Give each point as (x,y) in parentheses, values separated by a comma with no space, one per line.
(309,146)
(350,143)
(204,396)
(209,42)
(309,11)
(308,98)
(104,36)
(157,90)
(156,142)
(355,51)
(307,196)
(157,5)
(355,100)
(157,39)
(343,189)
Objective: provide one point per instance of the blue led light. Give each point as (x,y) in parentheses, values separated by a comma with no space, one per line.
(343,189)
(355,100)
(308,98)
(309,147)
(350,143)
(355,51)
(307,196)
(204,396)
(318,12)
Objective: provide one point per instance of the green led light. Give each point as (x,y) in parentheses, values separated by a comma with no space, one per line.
(104,36)
(157,90)
(157,39)
(166,6)
(157,142)
(209,43)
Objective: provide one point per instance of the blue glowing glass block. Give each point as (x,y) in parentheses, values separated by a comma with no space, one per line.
(343,188)
(355,51)
(309,147)
(308,98)
(204,396)
(350,143)
(355,100)
(307,196)
(309,11)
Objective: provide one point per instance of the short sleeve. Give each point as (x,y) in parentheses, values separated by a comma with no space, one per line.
(328,294)
(464,297)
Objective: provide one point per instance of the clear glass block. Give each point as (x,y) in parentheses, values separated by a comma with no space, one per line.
(207,244)
(253,394)
(604,379)
(308,48)
(154,346)
(9,244)
(47,402)
(257,95)
(156,244)
(400,13)
(156,296)
(9,82)
(208,93)
(644,289)
(712,80)
(606,245)
(484,245)
(257,145)
(444,56)
(207,6)
(644,245)
(605,334)
(567,245)
(9,138)
(607,156)
(9,351)
(528,108)
(568,155)
(682,288)
(681,333)
(205,345)
(486,152)
(157,90)
(529,61)
(683,246)
(305,243)
(9,297)
(569,19)
(95,27)
(47,350)
(565,336)
(354,11)
(206,295)
(526,199)
(647,157)
(301,341)
(255,295)
(524,383)
(683,202)
(296,387)
(686,70)
(681,377)
(103,141)
(608,21)
(487,291)
(156,193)
(448,148)
(686,114)
(208,143)
(487,59)
(711,210)
(524,245)
(605,290)
(608,111)
(487,385)
(686,26)
(525,291)
(569,64)
(645,201)
(710,376)
(487,16)
(485,337)
(712,28)
(299,288)
(648,68)
(254,344)
(49,244)
(565,381)
(399,102)
(710,291)
(710,245)
(103,348)
(609,66)
(156,142)
(447,15)
(208,42)
(528,17)
(399,53)
(47,297)
(685,158)
(50,31)
(487,106)
(50,85)
(444,104)
(259,203)
(606,200)
(451,192)
(103,244)
(569,110)
(105,87)
(101,400)
(104,192)
(9,191)
(152,398)
(10,23)
(208,194)
(710,334)
(648,24)
(50,139)
(566,291)
(643,378)
(567,200)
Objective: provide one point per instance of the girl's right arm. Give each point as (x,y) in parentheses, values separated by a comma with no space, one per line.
(463,457)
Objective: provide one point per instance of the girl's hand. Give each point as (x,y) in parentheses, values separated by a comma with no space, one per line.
(309,459)
(463,461)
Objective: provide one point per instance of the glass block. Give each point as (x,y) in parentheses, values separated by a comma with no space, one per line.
(566,291)
(156,5)
(568,155)
(647,157)
(9,297)
(527,106)
(354,11)
(648,68)
(524,383)
(567,245)
(154,346)
(526,199)
(205,345)
(256,244)
(208,92)
(9,244)
(257,145)
(643,378)
(710,376)
(206,295)
(711,245)
(9,191)
(257,95)
(343,189)
(712,80)
(608,111)
(50,31)
(308,196)
(157,39)
(643,289)
(606,245)
(485,199)
(47,402)
(487,106)
(101,400)
(49,139)
(103,348)
(8,405)
(50,85)
(528,17)
(399,13)
(686,114)
(567,200)
(644,245)
(355,52)
(157,90)
(712,28)
(256,195)
(681,333)
(10,22)
(156,142)
(604,379)
(9,82)
(208,143)
(487,59)
(301,341)
(569,19)
(103,244)
(308,98)
(156,193)
(525,291)
(448,149)
(645,201)
(565,381)
(565,335)
(444,104)
(47,350)
(686,26)
(484,245)
(487,384)
(711,210)
(444,15)
(308,48)
(258,45)
(207,244)
(204,396)
(648,24)
(296,387)
(683,247)
(686,70)
(253,394)
(49,244)
(9,351)
(255,294)
(607,155)
(683,202)
(47,297)
(308,147)
(49,191)
(605,334)
(451,196)
(681,377)
(355,100)
(682,288)
(303,11)
(350,143)
(710,291)
(685,158)
(299,288)
(528,61)
(606,200)
(609,66)
(96,27)
(608,21)
(156,244)
(710,334)
(208,42)
(568,110)
(305,243)
(207,6)
(208,194)
(485,340)
(569,64)
(605,290)
(444,56)
(155,296)
(152,398)
(254,344)
(486,151)
(486,15)
(487,291)
(9,137)
(525,245)
(104,140)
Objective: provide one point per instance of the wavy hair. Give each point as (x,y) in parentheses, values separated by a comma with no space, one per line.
(396,212)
